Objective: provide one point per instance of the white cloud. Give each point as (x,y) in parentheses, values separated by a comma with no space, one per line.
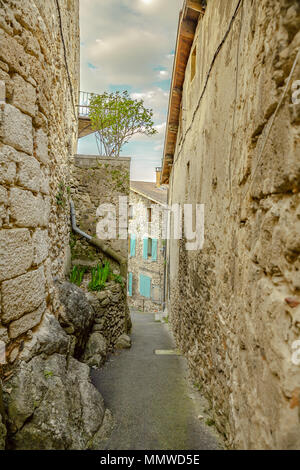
(130,43)
(128,40)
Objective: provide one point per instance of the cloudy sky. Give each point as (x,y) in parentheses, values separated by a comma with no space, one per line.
(129,45)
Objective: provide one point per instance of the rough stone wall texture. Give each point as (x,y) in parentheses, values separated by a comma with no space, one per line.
(38,133)
(228,302)
(137,264)
(112,318)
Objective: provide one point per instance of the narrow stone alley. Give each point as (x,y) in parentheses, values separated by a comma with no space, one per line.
(145,392)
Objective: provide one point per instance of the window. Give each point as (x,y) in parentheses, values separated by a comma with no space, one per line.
(193,63)
(149,214)
(130,212)
(150,249)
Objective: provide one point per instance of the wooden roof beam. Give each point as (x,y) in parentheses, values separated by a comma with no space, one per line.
(177,91)
(188,29)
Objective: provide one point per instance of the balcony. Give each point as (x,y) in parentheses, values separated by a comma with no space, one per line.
(84,122)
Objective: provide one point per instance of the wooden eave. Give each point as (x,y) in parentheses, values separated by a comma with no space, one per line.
(188,21)
(84,126)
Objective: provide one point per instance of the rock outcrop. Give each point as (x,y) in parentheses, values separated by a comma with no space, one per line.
(77,315)
(96,350)
(51,404)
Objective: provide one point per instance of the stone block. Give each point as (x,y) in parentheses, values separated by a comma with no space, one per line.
(3,335)
(16,128)
(29,174)
(13,53)
(3,195)
(41,243)
(41,146)
(8,159)
(22,294)
(24,96)
(16,253)
(27,322)
(28,210)
(44,183)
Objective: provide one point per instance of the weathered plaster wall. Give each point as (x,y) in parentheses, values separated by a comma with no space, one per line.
(38,133)
(137,264)
(228,302)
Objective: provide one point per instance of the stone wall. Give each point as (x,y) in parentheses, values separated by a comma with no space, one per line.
(39,74)
(235,305)
(95,181)
(137,265)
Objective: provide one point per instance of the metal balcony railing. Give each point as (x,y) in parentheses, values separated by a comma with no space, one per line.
(84,103)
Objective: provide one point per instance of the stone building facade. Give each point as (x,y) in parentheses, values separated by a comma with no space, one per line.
(39,84)
(146,262)
(232,144)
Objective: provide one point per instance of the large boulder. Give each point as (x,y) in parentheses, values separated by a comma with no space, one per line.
(77,315)
(51,404)
(95,350)
(48,339)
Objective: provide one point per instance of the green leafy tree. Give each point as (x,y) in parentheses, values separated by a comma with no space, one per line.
(116,118)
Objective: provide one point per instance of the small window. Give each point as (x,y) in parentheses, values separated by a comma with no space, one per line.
(149,214)
(193,63)
(130,212)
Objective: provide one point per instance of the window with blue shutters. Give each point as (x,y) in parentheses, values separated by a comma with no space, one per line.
(154,250)
(130,278)
(145,286)
(132,245)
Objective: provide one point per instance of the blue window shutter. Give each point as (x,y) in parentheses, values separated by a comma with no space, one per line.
(145,286)
(148,288)
(145,248)
(154,249)
(132,245)
(130,284)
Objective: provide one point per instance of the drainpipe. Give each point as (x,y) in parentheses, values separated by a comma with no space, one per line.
(96,242)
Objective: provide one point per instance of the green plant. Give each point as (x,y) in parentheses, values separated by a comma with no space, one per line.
(60,196)
(100,276)
(117,278)
(48,374)
(210,422)
(116,118)
(77,273)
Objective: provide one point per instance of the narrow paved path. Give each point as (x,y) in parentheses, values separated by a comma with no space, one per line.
(149,396)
